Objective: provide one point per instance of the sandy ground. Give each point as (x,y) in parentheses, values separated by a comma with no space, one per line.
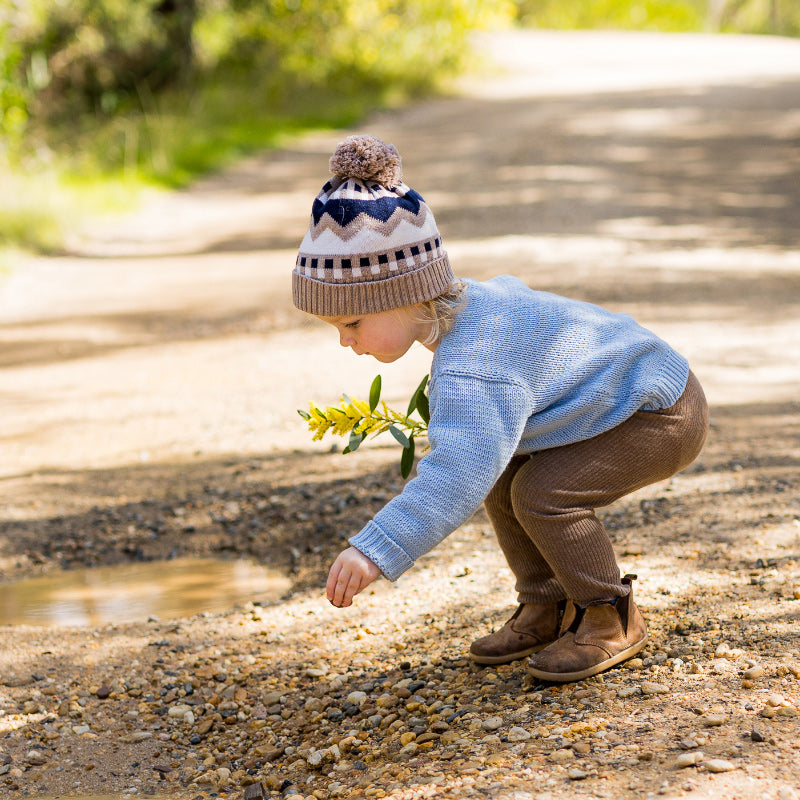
(157,365)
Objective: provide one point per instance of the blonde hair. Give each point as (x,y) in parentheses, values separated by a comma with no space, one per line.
(441,311)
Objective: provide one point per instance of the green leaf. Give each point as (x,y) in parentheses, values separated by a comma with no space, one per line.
(423,407)
(354,443)
(304,414)
(407,459)
(375,393)
(401,438)
(415,398)
(412,404)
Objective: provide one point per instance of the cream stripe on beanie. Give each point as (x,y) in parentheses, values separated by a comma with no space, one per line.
(372,243)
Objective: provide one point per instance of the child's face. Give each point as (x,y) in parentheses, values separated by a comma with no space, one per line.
(385,336)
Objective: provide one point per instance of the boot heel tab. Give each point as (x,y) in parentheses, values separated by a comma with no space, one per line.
(629,579)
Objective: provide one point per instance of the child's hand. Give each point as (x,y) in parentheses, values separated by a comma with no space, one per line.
(351,572)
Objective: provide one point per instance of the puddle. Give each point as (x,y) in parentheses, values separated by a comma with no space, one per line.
(132,592)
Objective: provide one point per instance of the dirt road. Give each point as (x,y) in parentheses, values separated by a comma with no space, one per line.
(158,364)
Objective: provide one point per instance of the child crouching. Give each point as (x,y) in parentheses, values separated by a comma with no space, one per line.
(542,407)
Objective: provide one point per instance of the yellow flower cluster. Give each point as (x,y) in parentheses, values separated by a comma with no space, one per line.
(355,416)
(357,419)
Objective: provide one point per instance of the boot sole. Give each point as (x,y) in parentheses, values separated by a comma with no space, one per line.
(569,677)
(508,657)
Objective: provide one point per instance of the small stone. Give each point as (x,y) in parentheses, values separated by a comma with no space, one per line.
(103,692)
(576,774)
(713,720)
(776,700)
(254,792)
(689,759)
(206,724)
(181,712)
(36,758)
(719,765)
(517,734)
(757,736)
(634,664)
(754,672)
(650,688)
(492,723)
(561,756)
(687,744)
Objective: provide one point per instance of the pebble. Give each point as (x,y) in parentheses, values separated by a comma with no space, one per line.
(492,723)
(182,713)
(650,688)
(713,720)
(576,774)
(756,671)
(718,765)
(517,734)
(689,759)
(776,700)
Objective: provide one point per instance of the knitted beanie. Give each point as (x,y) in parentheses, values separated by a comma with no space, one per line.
(372,243)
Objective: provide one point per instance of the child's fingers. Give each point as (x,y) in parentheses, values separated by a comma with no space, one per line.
(340,590)
(333,581)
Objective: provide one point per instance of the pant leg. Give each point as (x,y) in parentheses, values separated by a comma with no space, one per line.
(535,581)
(555,492)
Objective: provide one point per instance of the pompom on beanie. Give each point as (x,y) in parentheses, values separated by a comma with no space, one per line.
(372,244)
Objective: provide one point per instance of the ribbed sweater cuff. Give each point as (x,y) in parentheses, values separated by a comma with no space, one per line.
(392,560)
(672,378)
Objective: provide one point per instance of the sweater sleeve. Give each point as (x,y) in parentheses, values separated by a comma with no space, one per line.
(474,430)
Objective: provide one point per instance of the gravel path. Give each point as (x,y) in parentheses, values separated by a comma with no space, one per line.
(151,376)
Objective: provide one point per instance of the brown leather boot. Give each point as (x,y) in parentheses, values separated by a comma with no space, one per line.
(593,640)
(532,627)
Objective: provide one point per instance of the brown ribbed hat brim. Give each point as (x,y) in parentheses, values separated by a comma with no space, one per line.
(325,299)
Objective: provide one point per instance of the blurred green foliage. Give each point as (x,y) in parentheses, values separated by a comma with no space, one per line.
(66,67)
(657,15)
(158,91)
(778,17)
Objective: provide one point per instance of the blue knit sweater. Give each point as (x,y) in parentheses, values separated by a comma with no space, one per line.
(520,371)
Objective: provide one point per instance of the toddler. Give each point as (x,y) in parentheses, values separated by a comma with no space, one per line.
(542,407)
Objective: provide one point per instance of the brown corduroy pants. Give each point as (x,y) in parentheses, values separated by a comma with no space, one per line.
(543,506)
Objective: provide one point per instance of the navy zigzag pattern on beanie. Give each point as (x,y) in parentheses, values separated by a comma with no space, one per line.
(343,211)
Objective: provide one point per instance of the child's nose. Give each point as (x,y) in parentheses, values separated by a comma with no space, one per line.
(345,339)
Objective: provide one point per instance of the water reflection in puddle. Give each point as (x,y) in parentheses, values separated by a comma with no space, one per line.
(131,592)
